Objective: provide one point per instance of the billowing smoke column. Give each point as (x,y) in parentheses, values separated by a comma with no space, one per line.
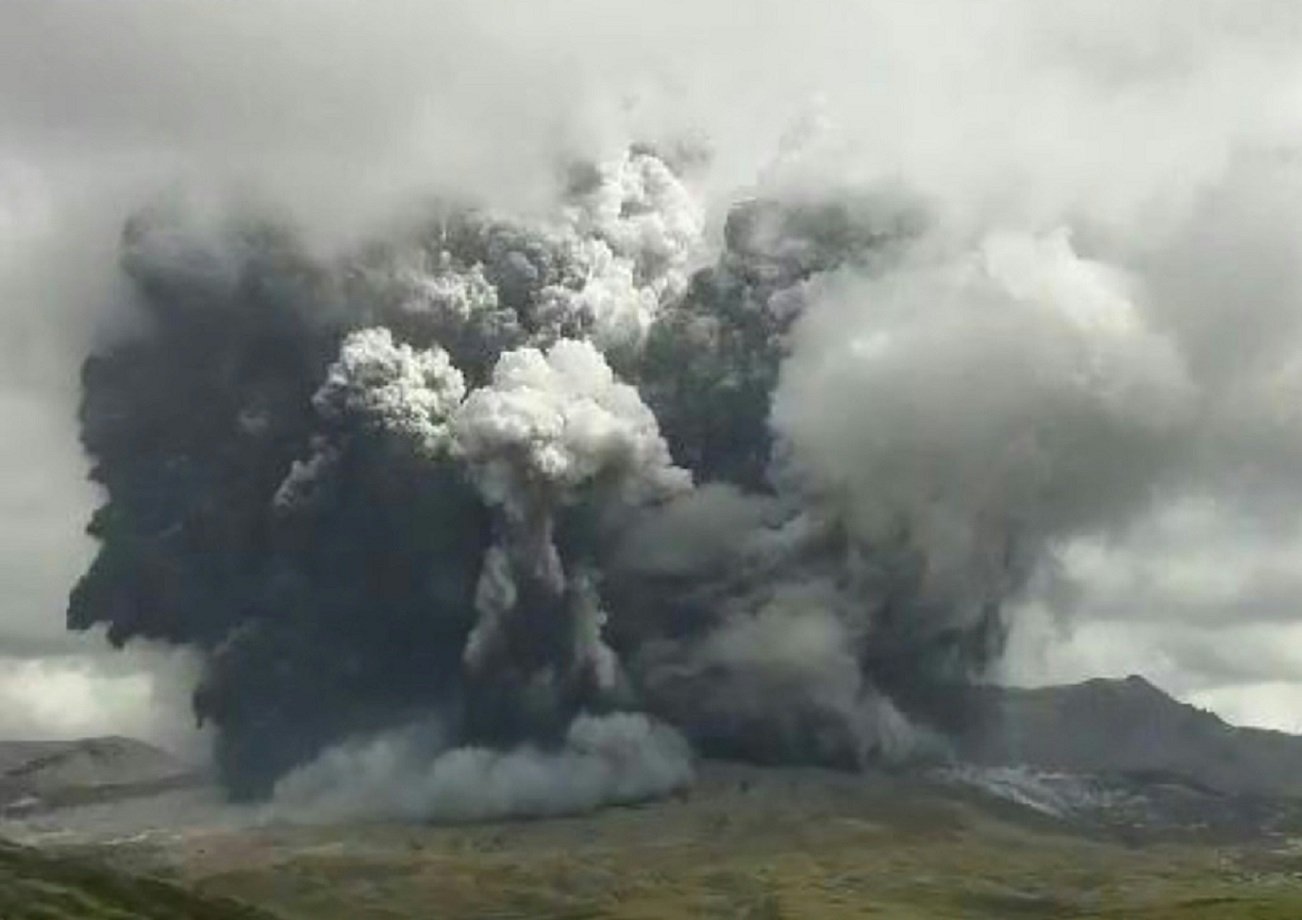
(525,503)
(550,431)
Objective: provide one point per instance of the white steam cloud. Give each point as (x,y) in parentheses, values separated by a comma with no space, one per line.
(605,760)
(976,407)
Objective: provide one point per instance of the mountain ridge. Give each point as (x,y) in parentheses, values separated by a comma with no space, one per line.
(1124,726)
(47,773)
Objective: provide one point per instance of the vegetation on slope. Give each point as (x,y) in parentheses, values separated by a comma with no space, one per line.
(38,886)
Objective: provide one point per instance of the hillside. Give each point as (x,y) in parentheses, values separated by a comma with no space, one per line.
(36,886)
(42,774)
(1125,727)
(1106,799)
(744,842)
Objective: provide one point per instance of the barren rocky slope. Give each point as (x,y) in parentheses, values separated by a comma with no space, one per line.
(42,774)
(1125,727)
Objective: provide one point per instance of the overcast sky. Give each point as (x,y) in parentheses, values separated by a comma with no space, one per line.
(1163,135)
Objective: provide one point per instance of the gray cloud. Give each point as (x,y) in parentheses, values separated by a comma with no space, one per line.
(1160,136)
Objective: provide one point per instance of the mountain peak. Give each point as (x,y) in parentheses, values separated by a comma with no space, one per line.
(1126,725)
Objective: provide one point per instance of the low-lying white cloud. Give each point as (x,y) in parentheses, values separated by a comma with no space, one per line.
(142,694)
(410,774)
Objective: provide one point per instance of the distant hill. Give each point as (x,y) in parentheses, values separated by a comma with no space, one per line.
(1119,728)
(1128,727)
(35,774)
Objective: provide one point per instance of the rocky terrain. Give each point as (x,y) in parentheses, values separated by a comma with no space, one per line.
(1127,727)
(1066,809)
(1124,754)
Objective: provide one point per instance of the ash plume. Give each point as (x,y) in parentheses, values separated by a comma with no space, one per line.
(513,475)
(514,506)
(421,479)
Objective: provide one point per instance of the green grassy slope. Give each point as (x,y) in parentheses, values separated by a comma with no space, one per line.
(752,845)
(842,872)
(37,886)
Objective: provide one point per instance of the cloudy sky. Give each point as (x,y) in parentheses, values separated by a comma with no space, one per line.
(1165,139)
